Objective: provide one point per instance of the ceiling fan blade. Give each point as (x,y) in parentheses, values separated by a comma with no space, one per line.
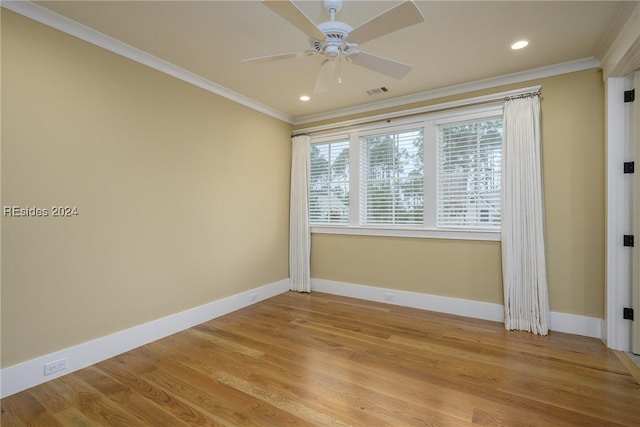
(325,76)
(270,58)
(401,16)
(289,11)
(381,65)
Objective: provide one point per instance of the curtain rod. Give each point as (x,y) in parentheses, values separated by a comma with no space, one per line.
(469,102)
(524,95)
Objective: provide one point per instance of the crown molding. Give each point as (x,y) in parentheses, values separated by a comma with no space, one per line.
(47,17)
(80,31)
(498,97)
(523,76)
(623,55)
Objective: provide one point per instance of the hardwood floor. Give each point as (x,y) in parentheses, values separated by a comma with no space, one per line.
(318,359)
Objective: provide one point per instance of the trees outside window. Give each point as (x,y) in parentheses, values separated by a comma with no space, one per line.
(469,169)
(329,183)
(393,178)
(435,173)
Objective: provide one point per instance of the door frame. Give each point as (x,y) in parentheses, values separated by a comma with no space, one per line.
(635,257)
(619,140)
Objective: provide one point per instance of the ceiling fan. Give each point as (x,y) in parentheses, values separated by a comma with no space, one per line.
(337,40)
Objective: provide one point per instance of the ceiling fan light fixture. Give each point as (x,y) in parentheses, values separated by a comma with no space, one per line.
(331,51)
(519,44)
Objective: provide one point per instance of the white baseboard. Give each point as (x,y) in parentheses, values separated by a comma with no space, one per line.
(31,373)
(22,376)
(462,307)
(575,324)
(559,322)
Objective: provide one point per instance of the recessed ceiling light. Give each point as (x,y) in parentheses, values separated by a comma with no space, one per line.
(519,44)
(304,98)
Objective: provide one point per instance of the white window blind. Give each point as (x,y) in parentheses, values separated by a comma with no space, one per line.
(469,168)
(432,176)
(329,183)
(392,178)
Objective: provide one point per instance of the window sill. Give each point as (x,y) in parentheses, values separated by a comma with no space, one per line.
(409,232)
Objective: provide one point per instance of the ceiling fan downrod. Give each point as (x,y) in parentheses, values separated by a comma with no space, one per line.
(332,7)
(335,32)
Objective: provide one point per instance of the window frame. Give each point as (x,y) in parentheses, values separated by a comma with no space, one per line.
(429,123)
(362,182)
(472,119)
(332,140)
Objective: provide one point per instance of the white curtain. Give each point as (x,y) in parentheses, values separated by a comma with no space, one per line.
(299,235)
(526,299)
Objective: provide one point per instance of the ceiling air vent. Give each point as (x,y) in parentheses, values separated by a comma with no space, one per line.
(377,90)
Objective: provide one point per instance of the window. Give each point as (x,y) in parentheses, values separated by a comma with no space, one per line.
(469,167)
(329,183)
(392,178)
(431,176)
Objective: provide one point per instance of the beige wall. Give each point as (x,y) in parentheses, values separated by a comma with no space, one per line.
(182,195)
(163,176)
(573,162)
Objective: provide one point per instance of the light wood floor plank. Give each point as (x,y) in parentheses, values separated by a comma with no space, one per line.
(448,362)
(123,396)
(135,380)
(317,384)
(220,397)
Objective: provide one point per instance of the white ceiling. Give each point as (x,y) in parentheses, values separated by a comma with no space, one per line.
(459,42)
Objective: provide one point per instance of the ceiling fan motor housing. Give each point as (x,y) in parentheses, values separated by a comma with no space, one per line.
(336,33)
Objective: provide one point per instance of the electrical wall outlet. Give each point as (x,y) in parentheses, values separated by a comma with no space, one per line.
(254,296)
(389,297)
(55,366)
